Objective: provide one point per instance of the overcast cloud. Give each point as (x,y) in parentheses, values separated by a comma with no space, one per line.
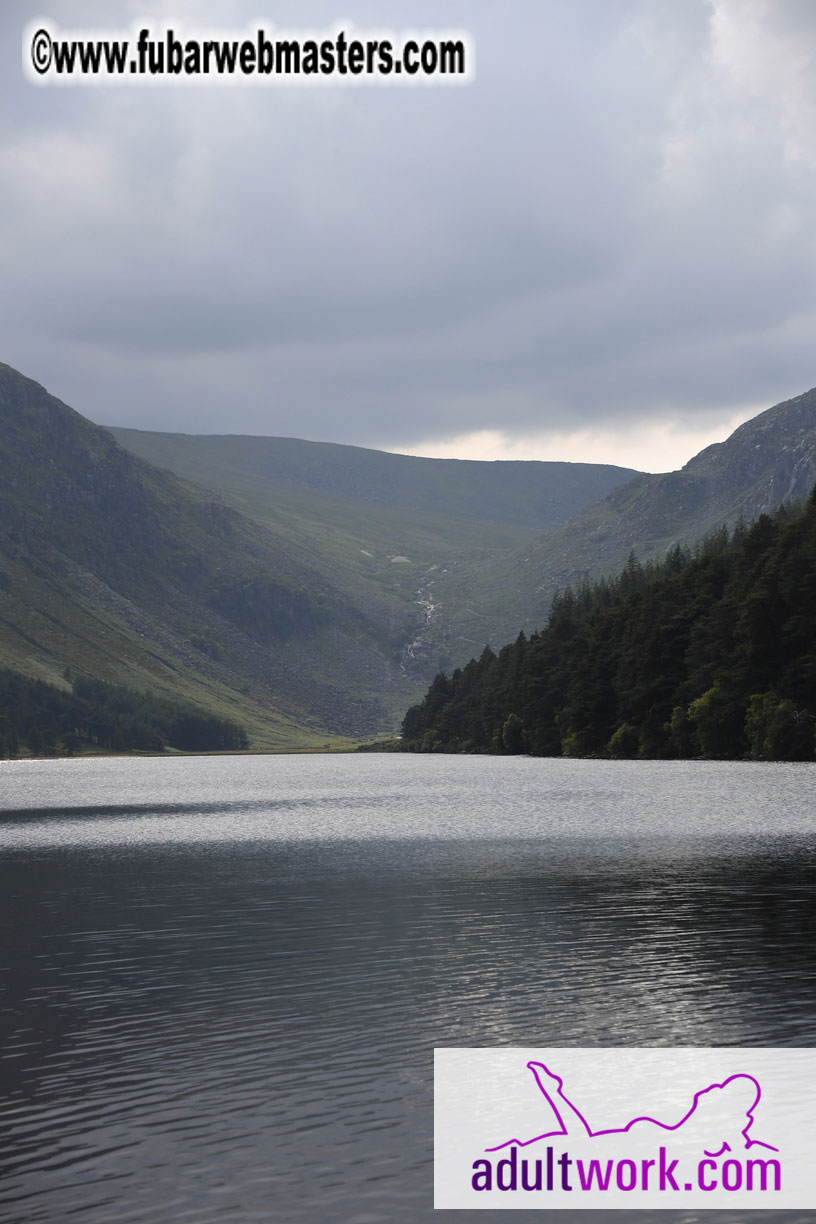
(602,248)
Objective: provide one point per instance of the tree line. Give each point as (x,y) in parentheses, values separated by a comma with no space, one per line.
(40,719)
(709,653)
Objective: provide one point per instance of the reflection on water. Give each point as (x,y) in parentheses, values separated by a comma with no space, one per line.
(238,1025)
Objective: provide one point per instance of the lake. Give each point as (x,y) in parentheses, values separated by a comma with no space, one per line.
(224,977)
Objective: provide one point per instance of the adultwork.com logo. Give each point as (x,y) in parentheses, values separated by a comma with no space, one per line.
(566,1128)
(700,1128)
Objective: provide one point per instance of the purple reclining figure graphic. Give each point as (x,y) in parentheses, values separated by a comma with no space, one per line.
(741,1094)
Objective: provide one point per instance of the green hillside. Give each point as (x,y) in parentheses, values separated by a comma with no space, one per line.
(116,570)
(380,526)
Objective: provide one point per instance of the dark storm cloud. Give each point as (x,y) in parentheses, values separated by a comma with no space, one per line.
(614,220)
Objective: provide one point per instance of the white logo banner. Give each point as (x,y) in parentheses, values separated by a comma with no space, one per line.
(625,1128)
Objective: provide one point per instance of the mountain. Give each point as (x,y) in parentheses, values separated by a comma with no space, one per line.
(768,461)
(119,571)
(379,526)
(524,493)
(114,569)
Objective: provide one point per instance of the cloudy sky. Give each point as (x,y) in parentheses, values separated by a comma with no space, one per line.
(603,247)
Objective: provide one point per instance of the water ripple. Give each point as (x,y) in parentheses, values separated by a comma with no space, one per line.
(239,1027)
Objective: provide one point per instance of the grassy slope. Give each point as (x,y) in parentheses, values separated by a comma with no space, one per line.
(48,629)
(349,511)
(116,569)
(334,501)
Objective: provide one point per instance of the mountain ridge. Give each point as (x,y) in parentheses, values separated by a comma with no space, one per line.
(383,477)
(765,462)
